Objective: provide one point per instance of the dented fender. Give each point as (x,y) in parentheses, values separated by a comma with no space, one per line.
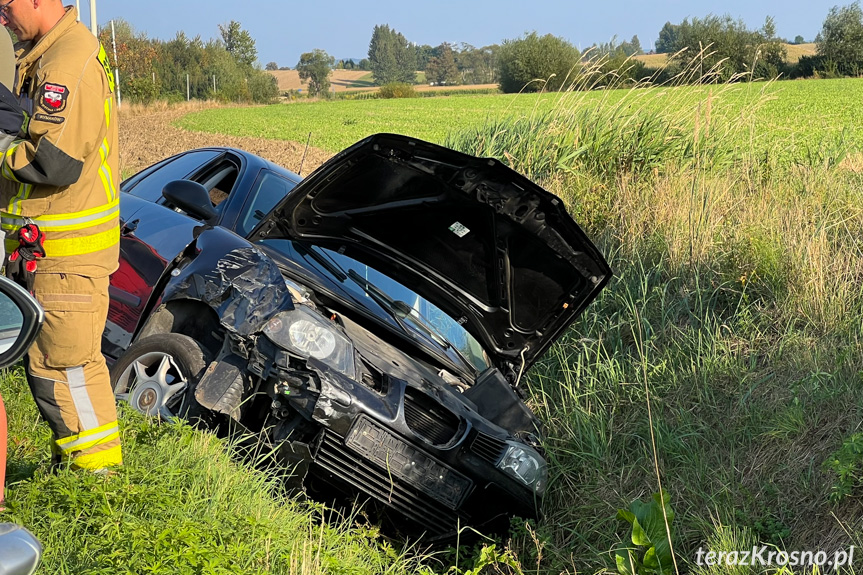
(244,287)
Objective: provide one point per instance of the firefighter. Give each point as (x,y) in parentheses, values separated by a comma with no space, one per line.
(59,207)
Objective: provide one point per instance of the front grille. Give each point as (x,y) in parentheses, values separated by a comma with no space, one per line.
(489,448)
(429,419)
(341,462)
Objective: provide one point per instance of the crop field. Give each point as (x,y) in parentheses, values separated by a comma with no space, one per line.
(786,116)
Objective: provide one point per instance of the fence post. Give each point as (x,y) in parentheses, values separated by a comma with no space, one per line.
(116,65)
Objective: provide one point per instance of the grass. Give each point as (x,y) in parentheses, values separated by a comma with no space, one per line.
(737,303)
(793,119)
(179,505)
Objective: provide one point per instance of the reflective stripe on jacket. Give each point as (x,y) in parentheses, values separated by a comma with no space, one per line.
(64,176)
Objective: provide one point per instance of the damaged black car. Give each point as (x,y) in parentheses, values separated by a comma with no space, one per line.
(371,323)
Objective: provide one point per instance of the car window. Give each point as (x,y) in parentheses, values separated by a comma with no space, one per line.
(149,185)
(266,193)
(219,179)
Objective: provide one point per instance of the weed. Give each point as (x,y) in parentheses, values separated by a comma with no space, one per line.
(650,533)
(847,463)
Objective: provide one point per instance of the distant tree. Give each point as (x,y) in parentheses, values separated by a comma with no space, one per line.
(533,63)
(364,64)
(442,69)
(424,54)
(633,47)
(239,43)
(614,50)
(725,48)
(477,65)
(799,39)
(315,67)
(136,56)
(391,57)
(271,66)
(667,39)
(840,42)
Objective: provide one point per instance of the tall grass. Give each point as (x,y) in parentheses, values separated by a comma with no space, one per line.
(738,297)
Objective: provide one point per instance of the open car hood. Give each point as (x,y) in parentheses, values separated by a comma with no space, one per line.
(489,247)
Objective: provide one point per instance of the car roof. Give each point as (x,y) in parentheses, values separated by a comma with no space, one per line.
(254,160)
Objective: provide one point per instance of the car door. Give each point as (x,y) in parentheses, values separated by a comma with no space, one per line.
(151,236)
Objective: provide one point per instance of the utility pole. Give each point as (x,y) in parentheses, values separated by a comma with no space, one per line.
(94,28)
(116,64)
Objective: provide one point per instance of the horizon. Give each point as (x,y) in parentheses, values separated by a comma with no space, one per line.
(343,30)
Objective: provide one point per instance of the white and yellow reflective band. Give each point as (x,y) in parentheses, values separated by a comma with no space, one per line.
(105,172)
(7,158)
(110,457)
(83,245)
(89,438)
(108,112)
(24,191)
(103,59)
(65,222)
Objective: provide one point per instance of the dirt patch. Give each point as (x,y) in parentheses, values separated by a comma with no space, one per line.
(147,136)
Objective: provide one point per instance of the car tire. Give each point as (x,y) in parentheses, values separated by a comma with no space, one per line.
(158,374)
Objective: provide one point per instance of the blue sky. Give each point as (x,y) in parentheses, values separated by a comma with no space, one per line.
(285,29)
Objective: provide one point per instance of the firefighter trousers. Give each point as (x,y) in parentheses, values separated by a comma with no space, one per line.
(67,372)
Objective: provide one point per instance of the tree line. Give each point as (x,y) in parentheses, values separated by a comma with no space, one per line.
(223,68)
(721,47)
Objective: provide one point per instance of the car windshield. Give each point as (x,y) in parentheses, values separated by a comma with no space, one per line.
(410,310)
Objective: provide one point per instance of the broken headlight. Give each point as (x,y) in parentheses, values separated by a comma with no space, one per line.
(526,465)
(308,334)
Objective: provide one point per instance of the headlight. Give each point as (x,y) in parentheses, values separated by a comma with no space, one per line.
(526,465)
(308,334)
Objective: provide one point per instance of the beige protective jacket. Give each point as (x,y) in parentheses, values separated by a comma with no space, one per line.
(64,175)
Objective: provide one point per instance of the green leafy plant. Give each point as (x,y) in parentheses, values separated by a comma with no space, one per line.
(847,463)
(491,557)
(651,553)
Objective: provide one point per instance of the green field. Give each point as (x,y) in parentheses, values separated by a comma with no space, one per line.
(799,113)
(723,360)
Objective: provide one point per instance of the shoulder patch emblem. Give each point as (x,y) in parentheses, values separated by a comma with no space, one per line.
(52,97)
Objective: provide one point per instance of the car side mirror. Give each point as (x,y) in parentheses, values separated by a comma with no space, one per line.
(191,197)
(20,551)
(21,317)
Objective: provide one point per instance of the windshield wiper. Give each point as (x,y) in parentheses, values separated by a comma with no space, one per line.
(326,262)
(400,310)
(397,312)
(429,328)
